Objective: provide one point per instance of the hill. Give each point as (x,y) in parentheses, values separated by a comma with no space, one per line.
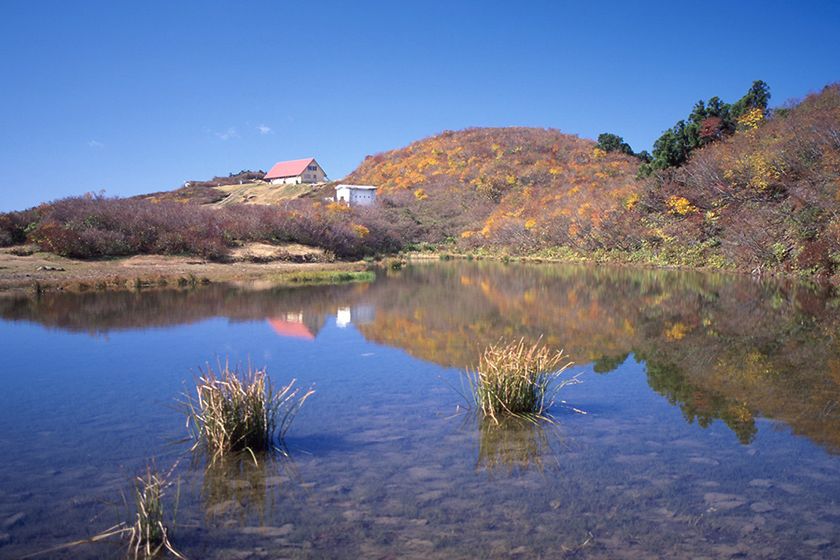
(763,197)
(521,188)
(757,192)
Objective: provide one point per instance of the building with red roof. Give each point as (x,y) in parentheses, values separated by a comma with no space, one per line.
(295,172)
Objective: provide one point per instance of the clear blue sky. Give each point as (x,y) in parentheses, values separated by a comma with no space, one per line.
(134,97)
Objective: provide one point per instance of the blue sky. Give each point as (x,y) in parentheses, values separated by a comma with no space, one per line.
(135,97)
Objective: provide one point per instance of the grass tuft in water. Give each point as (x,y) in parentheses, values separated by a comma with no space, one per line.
(234,412)
(517,379)
(148,536)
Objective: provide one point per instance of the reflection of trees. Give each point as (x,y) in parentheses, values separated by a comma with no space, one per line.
(720,347)
(513,445)
(99,312)
(698,404)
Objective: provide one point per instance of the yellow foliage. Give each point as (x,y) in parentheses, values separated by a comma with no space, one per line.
(530,223)
(467,234)
(598,153)
(676,332)
(631,201)
(680,205)
(762,171)
(420,194)
(754,170)
(337,207)
(360,230)
(751,119)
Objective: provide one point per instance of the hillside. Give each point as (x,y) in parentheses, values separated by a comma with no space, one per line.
(516,187)
(765,197)
(245,187)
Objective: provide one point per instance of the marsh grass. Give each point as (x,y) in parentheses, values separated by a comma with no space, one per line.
(149,535)
(234,412)
(517,379)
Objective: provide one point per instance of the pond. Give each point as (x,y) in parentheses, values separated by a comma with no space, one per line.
(709,423)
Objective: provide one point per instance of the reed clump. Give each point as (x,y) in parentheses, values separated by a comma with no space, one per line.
(518,379)
(148,536)
(233,412)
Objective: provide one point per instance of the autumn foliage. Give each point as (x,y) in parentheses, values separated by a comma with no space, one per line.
(519,188)
(95,226)
(759,190)
(766,197)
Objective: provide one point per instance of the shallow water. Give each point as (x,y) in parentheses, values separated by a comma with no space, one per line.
(711,430)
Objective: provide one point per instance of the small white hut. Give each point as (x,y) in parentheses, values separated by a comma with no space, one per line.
(355,195)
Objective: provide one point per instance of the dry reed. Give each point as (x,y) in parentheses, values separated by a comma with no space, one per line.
(149,535)
(234,412)
(516,379)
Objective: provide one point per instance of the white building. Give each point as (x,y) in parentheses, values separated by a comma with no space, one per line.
(355,195)
(295,172)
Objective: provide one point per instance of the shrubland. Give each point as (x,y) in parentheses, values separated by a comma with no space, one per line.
(95,227)
(735,185)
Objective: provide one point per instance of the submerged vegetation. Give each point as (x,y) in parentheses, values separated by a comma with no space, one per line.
(519,380)
(234,412)
(318,277)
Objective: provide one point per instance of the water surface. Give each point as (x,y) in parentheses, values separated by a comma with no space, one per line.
(712,424)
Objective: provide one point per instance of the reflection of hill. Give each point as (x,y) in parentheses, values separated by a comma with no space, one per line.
(725,348)
(719,347)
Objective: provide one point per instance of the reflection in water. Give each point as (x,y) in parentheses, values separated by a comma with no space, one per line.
(514,445)
(387,471)
(236,490)
(718,347)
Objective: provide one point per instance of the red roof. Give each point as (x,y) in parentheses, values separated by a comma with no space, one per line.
(291,168)
(291,329)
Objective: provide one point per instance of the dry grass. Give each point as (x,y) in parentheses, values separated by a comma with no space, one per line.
(234,412)
(148,536)
(516,379)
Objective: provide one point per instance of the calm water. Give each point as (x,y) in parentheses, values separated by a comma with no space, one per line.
(712,425)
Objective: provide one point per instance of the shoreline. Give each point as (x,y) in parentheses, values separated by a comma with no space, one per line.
(40,272)
(429,256)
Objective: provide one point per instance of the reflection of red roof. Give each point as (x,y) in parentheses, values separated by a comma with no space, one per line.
(290,329)
(291,168)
